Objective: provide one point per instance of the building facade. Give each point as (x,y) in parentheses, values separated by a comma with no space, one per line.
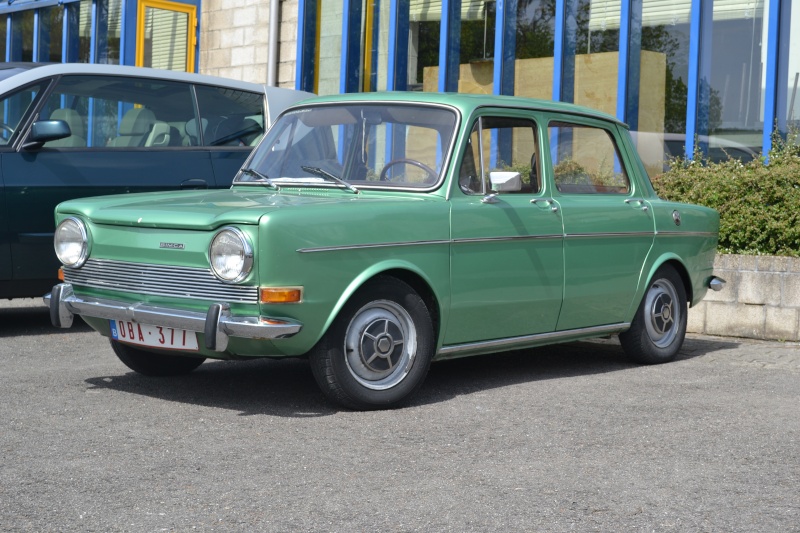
(714,75)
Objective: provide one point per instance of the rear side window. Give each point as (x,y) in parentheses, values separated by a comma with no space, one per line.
(586,160)
(229,117)
(121,112)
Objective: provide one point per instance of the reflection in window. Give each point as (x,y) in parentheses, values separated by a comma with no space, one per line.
(329,49)
(733,101)
(3,30)
(50,31)
(13,108)
(535,44)
(596,44)
(585,160)
(22,36)
(791,78)
(108,26)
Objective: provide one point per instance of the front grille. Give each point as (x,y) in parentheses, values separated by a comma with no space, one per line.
(158,280)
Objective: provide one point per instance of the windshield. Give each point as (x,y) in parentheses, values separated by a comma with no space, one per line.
(362,145)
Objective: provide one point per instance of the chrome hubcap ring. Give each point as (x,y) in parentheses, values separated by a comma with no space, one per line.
(662,313)
(380,345)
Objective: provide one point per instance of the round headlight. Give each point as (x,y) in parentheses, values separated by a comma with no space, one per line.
(230,255)
(71,242)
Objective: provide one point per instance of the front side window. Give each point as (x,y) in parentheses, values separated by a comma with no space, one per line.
(586,160)
(501,157)
(392,145)
(14,107)
(121,112)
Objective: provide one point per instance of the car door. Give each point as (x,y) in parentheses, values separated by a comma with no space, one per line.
(608,229)
(127,135)
(16,108)
(507,247)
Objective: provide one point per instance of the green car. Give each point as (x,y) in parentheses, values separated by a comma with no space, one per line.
(376,233)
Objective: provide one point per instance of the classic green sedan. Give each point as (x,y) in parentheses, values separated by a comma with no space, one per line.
(376,233)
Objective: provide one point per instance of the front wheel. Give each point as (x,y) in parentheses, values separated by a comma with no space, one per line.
(659,326)
(377,352)
(155,364)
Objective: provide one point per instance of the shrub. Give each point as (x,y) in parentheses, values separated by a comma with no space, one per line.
(758,203)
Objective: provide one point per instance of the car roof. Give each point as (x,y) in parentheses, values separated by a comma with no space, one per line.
(467,103)
(24,73)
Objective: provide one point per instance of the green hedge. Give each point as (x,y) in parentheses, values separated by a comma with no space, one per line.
(759,204)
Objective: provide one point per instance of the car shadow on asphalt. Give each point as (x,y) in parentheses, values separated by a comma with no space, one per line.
(33,320)
(287,388)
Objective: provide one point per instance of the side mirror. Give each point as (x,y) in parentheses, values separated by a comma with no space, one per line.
(43,131)
(505,181)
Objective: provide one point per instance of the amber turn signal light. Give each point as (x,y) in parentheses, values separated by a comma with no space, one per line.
(281,295)
(61,274)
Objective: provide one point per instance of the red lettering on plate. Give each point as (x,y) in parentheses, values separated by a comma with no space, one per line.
(130,330)
(141,335)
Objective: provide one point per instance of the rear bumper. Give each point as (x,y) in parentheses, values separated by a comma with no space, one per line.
(217,324)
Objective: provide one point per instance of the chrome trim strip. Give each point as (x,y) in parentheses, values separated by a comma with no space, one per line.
(363,246)
(686,234)
(610,234)
(514,238)
(64,303)
(425,243)
(513,342)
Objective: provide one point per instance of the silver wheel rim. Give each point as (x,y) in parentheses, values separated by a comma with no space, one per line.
(380,345)
(663,313)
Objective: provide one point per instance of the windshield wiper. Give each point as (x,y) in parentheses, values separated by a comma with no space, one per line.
(325,174)
(262,177)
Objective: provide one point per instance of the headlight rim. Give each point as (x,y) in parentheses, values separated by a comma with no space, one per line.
(248,255)
(85,237)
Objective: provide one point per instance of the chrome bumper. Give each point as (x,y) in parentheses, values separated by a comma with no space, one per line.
(217,324)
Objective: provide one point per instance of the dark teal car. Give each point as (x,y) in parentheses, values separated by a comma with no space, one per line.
(76,130)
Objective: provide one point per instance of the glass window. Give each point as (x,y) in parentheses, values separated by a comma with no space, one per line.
(791,78)
(120,112)
(329,48)
(80,24)
(534,49)
(424,29)
(476,47)
(14,108)
(229,117)
(596,61)
(502,157)
(51,25)
(108,26)
(22,35)
(734,98)
(663,75)
(367,145)
(585,160)
(165,39)
(3,32)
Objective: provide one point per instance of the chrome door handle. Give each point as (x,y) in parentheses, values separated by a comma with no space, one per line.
(548,201)
(640,201)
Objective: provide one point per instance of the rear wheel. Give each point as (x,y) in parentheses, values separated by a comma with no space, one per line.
(154,364)
(377,352)
(659,326)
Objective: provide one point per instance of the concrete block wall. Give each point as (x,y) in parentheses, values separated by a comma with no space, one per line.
(234,40)
(760,301)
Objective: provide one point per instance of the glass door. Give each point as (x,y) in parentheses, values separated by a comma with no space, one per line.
(165,35)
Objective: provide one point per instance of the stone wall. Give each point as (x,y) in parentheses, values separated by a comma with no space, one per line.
(760,301)
(234,40)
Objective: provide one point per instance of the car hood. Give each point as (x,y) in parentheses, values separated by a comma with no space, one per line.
(207,209)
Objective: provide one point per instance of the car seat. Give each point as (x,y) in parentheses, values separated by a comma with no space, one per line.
(76,127)
(135,127)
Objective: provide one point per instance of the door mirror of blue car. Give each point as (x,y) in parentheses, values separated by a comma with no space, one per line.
(43,131)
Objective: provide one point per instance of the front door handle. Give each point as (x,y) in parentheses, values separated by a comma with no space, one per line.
(549,201)
(640,201)
(194,184)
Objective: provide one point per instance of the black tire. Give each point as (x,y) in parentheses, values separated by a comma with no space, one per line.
(155,364)
(659,326)
(377,352)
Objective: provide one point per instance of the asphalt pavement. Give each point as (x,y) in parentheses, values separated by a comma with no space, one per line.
(561,438)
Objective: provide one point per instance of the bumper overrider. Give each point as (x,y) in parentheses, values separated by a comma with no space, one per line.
(217,325)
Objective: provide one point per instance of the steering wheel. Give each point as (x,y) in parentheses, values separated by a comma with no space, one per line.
(7,131)
(432,175)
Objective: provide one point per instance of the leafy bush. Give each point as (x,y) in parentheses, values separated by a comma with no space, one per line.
(759,204)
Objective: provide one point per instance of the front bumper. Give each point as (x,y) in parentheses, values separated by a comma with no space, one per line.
(218,325)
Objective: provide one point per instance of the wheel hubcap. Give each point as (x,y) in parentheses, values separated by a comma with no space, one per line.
(380,344)
(663,313)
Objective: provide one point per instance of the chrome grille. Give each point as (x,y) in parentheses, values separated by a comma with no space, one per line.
(158,280)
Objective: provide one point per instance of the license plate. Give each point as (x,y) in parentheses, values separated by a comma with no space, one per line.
(153,336)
